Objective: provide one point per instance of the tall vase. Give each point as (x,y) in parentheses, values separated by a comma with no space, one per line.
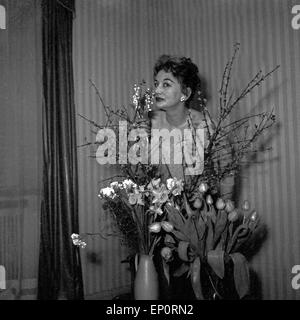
(146,279)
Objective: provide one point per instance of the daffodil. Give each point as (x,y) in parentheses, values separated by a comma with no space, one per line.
(161,195)
(156,209)
(175,186)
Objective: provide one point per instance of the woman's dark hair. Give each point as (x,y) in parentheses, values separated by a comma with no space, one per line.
(183,69)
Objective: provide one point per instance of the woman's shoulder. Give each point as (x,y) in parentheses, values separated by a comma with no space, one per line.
(198,119)
(200,122)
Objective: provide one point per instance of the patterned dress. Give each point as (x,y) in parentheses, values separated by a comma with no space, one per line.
(183,154)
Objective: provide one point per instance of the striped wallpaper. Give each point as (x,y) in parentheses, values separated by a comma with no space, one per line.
(116,43)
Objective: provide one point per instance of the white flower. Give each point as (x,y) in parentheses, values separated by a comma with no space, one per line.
(154,183)
(140,200)
(161,195)
(107,192)
(175,185)
(127,184)
(77,241)
(177,191)
(171,183)
(156,209)
(74,236)
(141,188)
(115,185)
(135,197)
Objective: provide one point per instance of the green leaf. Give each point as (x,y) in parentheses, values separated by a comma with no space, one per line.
(179,235)
(240,232)
(188,227)
(175,217)
(210,235)
(188,209)
(215,259)
(181,270)
(169,239)
(241,274)
(196,278)
(190,230)
(201,227)
(166,270)
(212,214)
(183,247)
(223,240)
(220,225)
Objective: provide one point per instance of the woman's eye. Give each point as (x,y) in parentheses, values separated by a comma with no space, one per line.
(164,85)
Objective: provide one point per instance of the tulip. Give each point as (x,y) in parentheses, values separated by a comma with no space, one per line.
(246,205)
(167,226)
(203,187)
(197,203)
(166,253)
(229,206)
(220,204)
(209,199)
(253,216)
(155,227)
(168,204)
(233,216)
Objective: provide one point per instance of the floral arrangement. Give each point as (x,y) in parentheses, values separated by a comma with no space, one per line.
(145,204)
(207,238)
(129,220)
(190,220)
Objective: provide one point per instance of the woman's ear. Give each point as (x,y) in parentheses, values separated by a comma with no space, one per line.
(187,92)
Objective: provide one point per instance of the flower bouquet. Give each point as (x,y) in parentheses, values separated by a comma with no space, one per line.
(191,220)
(208,238)
(145,207)
(143,203)
(124,197)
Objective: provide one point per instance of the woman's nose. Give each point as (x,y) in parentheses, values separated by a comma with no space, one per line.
(157,89)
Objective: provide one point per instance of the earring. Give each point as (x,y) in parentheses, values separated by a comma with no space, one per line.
(182,99)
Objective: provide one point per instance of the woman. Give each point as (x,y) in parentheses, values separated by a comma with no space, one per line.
(177,86)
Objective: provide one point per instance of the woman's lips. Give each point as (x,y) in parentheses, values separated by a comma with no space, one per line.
(158,99)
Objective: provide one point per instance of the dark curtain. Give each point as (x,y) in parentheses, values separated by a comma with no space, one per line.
(60,274)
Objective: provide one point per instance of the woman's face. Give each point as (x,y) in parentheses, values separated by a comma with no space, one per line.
(167,90)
